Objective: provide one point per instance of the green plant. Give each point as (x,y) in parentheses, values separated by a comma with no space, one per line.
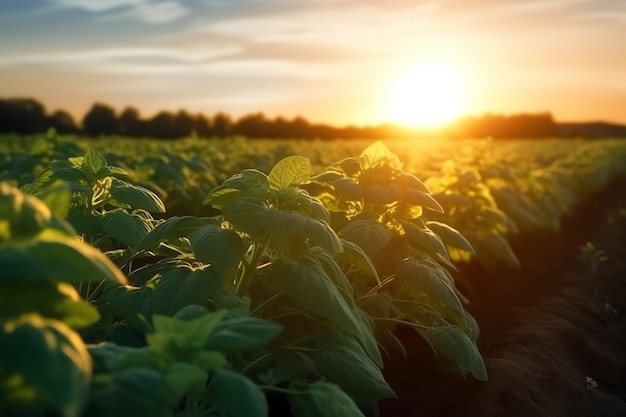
(44,365)
(380,208)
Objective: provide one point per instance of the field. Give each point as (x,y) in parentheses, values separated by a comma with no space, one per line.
(236,277)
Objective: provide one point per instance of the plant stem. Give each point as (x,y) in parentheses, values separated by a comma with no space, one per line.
(241,287)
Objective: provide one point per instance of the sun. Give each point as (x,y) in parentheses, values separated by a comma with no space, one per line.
(426,95)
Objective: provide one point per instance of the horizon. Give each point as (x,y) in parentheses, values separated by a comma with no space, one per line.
(335,63)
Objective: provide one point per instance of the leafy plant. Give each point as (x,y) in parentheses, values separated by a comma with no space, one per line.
(380,208)
(44,364)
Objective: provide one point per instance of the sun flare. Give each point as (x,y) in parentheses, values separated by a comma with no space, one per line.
(426,95)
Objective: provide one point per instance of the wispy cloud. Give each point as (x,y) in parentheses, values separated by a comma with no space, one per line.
(149,11)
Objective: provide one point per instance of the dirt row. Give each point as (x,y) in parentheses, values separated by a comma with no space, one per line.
(553,334)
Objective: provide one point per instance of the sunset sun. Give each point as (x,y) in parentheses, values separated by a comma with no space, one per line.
(426,95)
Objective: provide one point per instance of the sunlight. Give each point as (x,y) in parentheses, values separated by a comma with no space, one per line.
(426,95)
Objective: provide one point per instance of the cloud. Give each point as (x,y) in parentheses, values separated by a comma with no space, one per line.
(149,11)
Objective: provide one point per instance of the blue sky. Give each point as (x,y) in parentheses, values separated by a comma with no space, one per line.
(330,61)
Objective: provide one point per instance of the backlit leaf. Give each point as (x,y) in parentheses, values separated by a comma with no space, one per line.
(450,236)
(369,236)
(136,197)
(293,170)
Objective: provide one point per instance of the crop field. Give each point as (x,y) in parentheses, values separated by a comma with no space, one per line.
(243,278)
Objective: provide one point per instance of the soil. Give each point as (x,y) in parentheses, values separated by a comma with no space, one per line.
(553,334)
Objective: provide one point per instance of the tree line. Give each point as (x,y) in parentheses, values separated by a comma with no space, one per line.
(28,116)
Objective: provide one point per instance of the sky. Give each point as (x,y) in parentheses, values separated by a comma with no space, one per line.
(329,61)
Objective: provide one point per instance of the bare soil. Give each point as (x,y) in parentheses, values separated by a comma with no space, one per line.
(553,334)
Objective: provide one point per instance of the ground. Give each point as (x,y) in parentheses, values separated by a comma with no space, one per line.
(553,334)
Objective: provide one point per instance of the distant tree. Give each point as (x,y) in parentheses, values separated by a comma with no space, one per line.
(222,125)
(23,116)
(62,122)
(252,125)
(130,123)
(202,126)
(100,120)
(183,124)
(161,125)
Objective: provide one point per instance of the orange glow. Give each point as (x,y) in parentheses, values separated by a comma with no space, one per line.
(426,95)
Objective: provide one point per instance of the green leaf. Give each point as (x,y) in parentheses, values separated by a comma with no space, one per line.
(58,199)
(291,366)
(342,360)
(450,236)
(171,230)
(370,236)
(457,346)
(321,398)
(432,281)
(57,300)
(194,332)
(126,228)
(234,395)
(42,361)
(63,259)
(129,303)
(419,198)
(223,195)
(136,197)
(92,162)
(293,170)
(353,254)
(377,155)
(181,287)
(424,239)
(348,189)
(243,334)
(219,247)
(244,214)
(130,393)
(313,290)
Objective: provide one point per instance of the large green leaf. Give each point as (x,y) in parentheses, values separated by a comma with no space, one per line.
(92,163)
(136,197)
(457,346)
(126,228)
(53,258)
(377,155)
(181,287)
(311,287)
(171,230)
(321,398)
(130,393)
(293,170)
(341,359)
(243,334)
(244,214)
(450,236)
(129,303)
(353,254)
(431,281)
(424,239)
(234,395)
(57,300)
(42,361)
(219,247)
(369,236)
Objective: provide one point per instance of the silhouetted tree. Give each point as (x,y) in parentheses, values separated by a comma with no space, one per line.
(22,116)
(161,125)
(202,126)
(130,123)
(100,120)
(182,124)
(222,125)
(62,122)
